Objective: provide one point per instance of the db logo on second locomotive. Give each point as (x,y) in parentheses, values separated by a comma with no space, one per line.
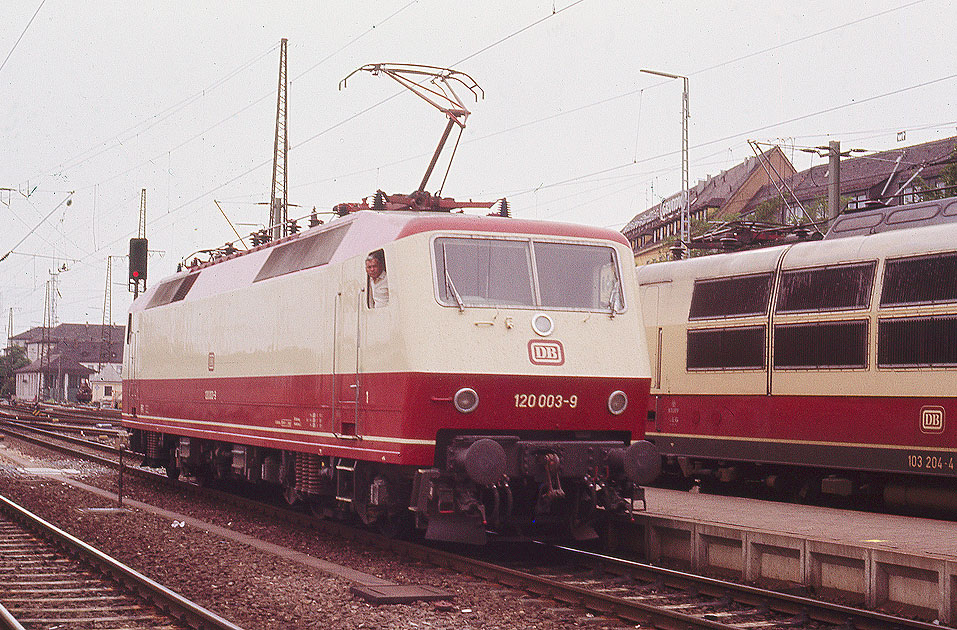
(546,352)
(932,419)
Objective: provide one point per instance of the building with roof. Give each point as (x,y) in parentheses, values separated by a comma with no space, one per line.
(768,189)
(891,178)
(62,376)
(652,232)
(66,356)
(107,385)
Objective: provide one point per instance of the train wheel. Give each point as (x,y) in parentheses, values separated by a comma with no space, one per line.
(291,495)
(172,471)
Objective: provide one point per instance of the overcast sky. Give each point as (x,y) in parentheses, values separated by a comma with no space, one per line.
(103,99)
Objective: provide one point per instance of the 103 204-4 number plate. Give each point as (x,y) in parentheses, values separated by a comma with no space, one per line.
(545,401)
(930,461)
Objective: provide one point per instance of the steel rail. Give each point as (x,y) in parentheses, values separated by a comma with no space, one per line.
(11,427)
(785,603)
(8,621)
(174,604)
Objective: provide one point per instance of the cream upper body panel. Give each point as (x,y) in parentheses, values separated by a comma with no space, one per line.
(666,291)
(234,323)
(494,339)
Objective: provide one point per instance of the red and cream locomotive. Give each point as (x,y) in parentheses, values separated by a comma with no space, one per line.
(502,385)
(827,366)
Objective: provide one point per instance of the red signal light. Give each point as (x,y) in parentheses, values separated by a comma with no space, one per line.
(138,256)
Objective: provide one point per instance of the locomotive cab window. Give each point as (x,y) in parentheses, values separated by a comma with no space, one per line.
(486,272)
(577,276)
(377,282)
(172,291)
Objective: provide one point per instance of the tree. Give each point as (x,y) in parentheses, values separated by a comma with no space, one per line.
(12,359)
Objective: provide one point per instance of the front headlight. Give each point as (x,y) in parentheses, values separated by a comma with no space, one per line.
(466,400)
(617,402)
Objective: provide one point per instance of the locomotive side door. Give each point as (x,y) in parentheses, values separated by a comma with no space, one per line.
(129,377)
(649,297)
(350,297)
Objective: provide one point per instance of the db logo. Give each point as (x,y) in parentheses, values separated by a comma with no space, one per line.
(932,419)
(546,352)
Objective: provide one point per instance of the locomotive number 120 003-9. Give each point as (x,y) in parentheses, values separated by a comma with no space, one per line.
(545,401)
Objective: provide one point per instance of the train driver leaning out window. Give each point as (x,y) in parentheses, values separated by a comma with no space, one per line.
(378,283)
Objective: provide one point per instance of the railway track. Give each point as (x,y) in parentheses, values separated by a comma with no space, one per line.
(607,586)
(49,579)
(664,598)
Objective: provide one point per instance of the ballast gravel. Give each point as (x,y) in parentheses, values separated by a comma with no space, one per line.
(251,588)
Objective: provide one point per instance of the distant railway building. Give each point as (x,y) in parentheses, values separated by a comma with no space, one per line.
(69,355)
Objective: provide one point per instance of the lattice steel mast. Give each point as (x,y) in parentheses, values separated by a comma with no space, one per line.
(106,332)
(278,202)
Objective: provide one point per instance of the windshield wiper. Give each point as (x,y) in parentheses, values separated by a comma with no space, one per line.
(615,298)
(449,285)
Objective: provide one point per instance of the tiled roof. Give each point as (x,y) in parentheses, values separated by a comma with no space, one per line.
(58,363)
(80,341)
(712,192)
(71,332)
(870,172)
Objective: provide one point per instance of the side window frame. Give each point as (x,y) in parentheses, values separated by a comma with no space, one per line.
(370,302)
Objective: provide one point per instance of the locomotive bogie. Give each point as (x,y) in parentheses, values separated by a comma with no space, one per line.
(458,404)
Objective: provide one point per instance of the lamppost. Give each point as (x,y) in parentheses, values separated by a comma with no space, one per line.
(686,200)
(833,154)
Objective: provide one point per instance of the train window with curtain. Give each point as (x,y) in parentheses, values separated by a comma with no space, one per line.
(826,288)
(821,345)
(920,280)
(731,297)
(726,348)
(917,342)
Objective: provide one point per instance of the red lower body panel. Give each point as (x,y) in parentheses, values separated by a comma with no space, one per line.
(880,433)
(387,417)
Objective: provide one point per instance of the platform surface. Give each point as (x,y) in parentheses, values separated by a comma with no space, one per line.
(905,534)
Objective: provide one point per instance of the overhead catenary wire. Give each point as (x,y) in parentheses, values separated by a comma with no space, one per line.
(25,28)
(42,221)
(564,181)
(151,121)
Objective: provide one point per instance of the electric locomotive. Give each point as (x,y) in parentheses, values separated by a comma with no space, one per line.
(502,386)
(819,367)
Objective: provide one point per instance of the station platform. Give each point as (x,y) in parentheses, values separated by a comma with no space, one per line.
(899,564)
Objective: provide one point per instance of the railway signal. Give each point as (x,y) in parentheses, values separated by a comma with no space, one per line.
(138,253)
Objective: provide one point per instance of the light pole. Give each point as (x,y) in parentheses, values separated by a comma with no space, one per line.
(833,154)
(685,198)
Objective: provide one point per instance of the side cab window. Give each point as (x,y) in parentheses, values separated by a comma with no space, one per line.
(377,280)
